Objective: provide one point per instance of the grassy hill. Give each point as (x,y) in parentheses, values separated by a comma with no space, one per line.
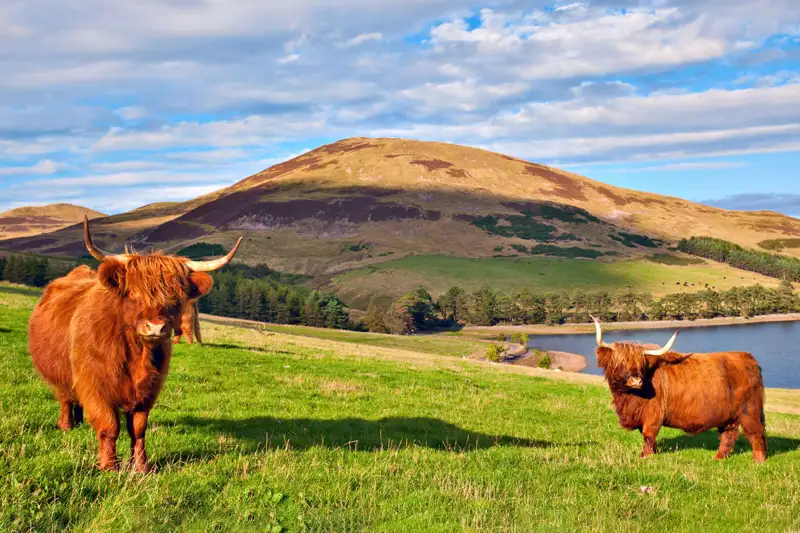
(275,431)
(25,221)
(364,204)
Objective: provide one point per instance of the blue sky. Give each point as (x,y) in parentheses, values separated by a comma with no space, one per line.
(113,105)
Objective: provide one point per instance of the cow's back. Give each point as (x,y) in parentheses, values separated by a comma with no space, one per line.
(708,390)
(49,326)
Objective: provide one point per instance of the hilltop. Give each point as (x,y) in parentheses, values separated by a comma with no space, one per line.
(33,220)
(368,205)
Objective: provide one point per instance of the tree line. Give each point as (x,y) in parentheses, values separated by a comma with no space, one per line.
(418,311)
(32,270)
(240,293)
(765,263)
(253,293)
(262,294)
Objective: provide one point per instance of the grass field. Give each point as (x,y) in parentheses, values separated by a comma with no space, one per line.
(264,431)
(439,344)
(439,273)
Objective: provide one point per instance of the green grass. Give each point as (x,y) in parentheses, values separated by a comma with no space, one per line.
(438,344)
(538,274)
(274,436)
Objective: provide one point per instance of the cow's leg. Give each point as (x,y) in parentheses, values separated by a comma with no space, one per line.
(137,424)
(65,420)
(727,438)
(105,422)
(650,432)
(753,426)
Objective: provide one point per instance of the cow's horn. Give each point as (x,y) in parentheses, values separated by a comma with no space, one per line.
(96,252)
(599,334)
(216,264)
(667,347)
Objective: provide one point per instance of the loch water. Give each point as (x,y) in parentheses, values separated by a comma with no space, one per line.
(776,346)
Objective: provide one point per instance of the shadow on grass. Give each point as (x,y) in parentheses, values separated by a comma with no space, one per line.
(356,434)
(4,330)
(18,289)
(710,441)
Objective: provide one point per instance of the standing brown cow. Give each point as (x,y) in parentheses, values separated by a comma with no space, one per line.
(692,392)
(101,339)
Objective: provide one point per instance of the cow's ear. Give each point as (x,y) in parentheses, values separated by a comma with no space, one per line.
(604,354)
(111,274)
(671,358)
(201,284)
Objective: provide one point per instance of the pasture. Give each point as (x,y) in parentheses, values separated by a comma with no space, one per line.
(274,431)
(539,274)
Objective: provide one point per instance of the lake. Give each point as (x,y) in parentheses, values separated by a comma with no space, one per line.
(776,346)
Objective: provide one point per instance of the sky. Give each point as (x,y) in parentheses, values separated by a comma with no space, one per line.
(113,105)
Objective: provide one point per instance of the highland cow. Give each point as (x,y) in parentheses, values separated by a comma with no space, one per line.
(692,392)
(101,339)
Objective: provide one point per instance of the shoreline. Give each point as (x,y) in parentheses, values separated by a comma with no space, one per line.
(565,361)
(588,328)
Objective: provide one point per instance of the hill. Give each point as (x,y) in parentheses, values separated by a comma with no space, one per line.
(26,221)
(361,204)
(261,431)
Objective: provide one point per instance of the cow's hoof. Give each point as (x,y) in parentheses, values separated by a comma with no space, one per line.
(109,467)
(721,456)
(64,426)
(144,468)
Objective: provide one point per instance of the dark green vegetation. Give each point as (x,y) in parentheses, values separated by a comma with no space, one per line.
(572,252)
(417,310)
(34,271)
(268,435)
(520,226)
(767,264)
(529,223)
(631,240)
(202,250)
(259,293)
(777,245)
(674,260)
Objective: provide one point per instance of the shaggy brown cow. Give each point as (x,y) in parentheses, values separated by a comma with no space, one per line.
(692,392)
(101,339)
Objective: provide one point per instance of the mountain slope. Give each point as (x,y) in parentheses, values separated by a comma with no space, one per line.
(359,202)
(25,221)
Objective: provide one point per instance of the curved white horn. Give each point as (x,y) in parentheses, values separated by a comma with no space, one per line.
(599,331)
(216,264)
(96,252)
(667,347)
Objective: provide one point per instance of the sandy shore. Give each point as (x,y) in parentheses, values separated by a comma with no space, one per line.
(568,362)
(569,329)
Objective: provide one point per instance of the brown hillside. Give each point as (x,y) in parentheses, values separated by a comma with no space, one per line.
(26,221)
(363,201)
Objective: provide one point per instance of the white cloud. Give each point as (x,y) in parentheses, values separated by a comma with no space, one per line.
(291,58)
(43,167)
(681,167)
(131,112)
(362,38)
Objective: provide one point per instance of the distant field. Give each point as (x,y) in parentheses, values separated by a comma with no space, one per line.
(438,273)
(439,344)
(269,432)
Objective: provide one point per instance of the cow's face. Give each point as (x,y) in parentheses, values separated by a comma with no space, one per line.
(628,365)
(624,364)
(155,290)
